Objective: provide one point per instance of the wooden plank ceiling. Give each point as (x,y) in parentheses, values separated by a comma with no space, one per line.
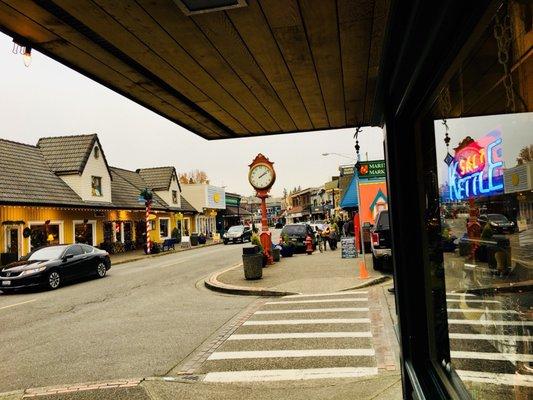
(270,67)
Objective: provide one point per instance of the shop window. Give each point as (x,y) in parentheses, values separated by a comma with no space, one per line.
(175,196)
(83,233)
(44,235)
(164,227)
(479,221)
(96,184)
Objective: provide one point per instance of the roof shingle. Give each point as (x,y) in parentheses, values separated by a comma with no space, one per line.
(67,154)
(157,178)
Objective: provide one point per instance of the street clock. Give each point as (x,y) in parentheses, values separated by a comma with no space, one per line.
(262,175)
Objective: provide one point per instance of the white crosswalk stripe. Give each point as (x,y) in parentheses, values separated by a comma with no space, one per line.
(313,310)
(292,342)
(290,374)
(349,299)
(488,345)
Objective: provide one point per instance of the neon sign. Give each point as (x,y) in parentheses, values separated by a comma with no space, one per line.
(477,168)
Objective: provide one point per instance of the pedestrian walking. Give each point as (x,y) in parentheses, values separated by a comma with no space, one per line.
(333,236)
(325,236)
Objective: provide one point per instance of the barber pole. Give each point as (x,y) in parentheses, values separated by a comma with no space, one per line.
(148,240)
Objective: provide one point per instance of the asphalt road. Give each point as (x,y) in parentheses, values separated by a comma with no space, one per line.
(141,320)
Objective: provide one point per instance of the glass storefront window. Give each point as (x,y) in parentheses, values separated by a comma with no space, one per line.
(44,235)
(484,171)
(163,227)
(83,233)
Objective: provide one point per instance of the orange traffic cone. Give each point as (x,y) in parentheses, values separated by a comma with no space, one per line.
(363,273)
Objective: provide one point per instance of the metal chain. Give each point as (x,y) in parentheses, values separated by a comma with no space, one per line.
(445,109)
(504,37)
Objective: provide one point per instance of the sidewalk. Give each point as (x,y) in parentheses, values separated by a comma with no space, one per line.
(136,255)
(319,273)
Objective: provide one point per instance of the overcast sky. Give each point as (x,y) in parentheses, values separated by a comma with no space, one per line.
(48,99)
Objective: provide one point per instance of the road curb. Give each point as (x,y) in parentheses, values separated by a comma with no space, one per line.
(214,284)
(166,253)
(372,282)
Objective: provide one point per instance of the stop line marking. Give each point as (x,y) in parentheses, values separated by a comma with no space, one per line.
(290,374)
(310,321)
(233,355)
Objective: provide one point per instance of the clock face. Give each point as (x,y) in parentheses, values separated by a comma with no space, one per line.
(261,176)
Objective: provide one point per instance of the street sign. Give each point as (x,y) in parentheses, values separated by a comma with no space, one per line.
(348,249)
(372,169)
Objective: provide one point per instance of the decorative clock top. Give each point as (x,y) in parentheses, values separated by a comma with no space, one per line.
(262,175)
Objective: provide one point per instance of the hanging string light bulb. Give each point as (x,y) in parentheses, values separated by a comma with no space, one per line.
(24,50)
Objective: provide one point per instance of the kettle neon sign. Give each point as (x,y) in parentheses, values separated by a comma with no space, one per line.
(476,169)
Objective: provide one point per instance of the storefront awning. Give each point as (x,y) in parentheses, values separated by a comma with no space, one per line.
(350,197)
(232,211)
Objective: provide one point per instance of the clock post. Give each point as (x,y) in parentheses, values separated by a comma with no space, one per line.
(262,176)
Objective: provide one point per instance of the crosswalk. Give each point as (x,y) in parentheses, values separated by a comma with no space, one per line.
(299,337)
(490,344)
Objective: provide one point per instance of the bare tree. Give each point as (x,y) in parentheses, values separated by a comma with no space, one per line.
(525,155)
(193,176)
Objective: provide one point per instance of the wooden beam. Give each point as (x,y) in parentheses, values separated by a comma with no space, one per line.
(253,28)
(287,26)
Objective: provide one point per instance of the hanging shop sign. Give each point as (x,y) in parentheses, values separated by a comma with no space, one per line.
(477,168)
(372,169)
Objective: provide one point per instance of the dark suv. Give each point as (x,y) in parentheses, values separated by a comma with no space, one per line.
(297,234)
(498,222)
(381,242)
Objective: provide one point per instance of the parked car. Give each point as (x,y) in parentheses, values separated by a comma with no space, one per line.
(51,266)
(238,233)
(498,222)
(297,233)
(381,242)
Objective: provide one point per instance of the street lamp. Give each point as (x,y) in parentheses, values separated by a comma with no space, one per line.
(340,155)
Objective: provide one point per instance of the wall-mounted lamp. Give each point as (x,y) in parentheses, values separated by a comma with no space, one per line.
(25,50)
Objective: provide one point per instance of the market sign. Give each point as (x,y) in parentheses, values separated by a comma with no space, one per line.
(372,169)
(476,168)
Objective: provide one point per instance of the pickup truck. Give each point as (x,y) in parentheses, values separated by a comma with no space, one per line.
(381,242)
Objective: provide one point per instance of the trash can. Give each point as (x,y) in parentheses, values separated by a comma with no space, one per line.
(252,261)
(499,253)
(194,239)
(276,254)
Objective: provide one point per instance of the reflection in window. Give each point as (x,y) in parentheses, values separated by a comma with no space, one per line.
(96,184)
(163,228)
(485,176)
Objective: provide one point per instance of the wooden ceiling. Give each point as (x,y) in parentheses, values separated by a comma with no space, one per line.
(272,66)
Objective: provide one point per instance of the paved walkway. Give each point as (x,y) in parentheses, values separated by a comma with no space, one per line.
(136,255)
(318,273)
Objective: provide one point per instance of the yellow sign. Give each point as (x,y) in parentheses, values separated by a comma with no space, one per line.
(515,179)
(152,217)
(216,197)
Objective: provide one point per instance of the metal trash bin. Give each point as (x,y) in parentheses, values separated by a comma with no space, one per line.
(194,239)
(252,262)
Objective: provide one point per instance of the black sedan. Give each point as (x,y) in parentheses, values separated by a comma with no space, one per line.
(52,265)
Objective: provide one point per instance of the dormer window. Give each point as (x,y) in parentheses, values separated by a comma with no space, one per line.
(175,196)
(96,183)
(96,152)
